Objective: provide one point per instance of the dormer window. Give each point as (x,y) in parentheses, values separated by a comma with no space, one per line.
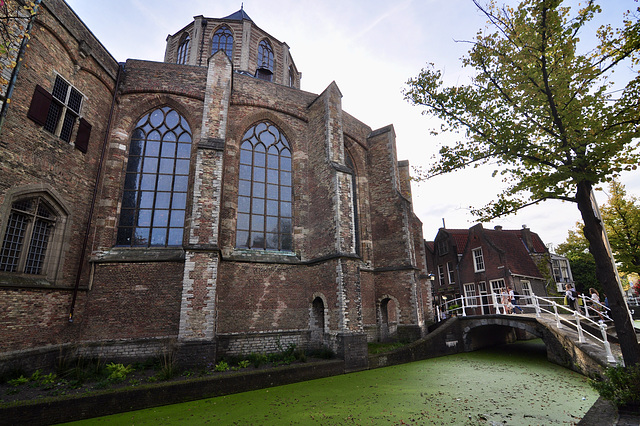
(264,69)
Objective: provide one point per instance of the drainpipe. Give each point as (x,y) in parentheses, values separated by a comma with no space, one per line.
(16,69)
(85,241)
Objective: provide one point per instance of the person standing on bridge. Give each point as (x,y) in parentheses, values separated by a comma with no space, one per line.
(572,298)
(514,301)
(595,302)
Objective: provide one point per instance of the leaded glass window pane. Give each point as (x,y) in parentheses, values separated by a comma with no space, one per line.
(24,246)
(264,197)
(222,40)
(183,50)
(155,195)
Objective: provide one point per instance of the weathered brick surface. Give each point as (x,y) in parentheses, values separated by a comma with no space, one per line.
(357,246)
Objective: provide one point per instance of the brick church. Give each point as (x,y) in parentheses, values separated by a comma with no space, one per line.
(204,204)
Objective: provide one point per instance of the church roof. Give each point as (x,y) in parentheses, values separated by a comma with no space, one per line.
(240,15)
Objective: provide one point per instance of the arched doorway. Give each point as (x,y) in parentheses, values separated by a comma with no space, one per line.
(388,319)
(317,323)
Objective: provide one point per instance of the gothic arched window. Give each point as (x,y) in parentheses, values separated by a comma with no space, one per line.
(265,190)
(354,196)
(183,49)
(155,187)
(222,40)
(265,61)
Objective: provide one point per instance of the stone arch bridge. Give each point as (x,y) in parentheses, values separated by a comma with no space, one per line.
(470,333)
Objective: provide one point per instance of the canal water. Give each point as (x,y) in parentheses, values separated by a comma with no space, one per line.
(512,384)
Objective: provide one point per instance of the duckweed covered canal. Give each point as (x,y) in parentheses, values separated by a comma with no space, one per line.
(512,384)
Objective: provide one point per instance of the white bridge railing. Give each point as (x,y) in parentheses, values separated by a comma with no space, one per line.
(563,314)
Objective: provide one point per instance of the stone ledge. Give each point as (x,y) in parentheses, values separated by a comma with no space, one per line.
(142,254)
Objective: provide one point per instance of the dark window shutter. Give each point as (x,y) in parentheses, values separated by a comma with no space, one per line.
(40,104)
(84,132)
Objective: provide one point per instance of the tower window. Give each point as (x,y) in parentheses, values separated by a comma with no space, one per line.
(222,40)
(265,190)
(264,69)
(183,50)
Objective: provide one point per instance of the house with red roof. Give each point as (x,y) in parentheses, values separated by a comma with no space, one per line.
(477,262)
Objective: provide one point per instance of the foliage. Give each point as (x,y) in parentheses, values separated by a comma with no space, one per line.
(621,216)
(543,114)
(13,20)
(221,366)
(536,108)
(118,372)
(583,266)
(620,386)
(244,363)
(18,381)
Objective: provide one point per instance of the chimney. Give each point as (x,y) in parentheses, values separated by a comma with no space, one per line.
(498,227)
(526,238)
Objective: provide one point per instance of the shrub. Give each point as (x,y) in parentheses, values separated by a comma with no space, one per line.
(222,366)
(118,372)
(621,385)
(18,381)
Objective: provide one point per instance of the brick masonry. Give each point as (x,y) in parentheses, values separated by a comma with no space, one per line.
(357,271)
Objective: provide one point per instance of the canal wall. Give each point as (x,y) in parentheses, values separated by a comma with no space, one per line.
(59,410)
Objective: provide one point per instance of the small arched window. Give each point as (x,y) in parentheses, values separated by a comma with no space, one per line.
(264,69)
(265,190)
(183,49)
(222,40)
(155,187)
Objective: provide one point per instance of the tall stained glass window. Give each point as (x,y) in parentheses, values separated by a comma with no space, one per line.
(265,190)
(155,188)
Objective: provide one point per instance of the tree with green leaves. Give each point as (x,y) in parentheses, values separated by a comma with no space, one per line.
(543,113)
(621,216)
(583,266)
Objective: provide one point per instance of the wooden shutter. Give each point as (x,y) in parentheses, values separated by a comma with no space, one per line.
(40,104)
(84,132)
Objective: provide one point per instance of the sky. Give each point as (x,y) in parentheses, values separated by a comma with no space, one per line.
(370,48)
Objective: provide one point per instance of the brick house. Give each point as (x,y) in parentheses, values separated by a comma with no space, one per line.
(205,203)
(476,262)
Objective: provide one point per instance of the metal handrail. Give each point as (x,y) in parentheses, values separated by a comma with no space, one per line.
(540,305)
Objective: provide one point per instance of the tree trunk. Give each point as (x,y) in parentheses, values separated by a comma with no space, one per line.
(605,273)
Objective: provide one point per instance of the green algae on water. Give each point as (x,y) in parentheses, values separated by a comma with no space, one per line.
(510,384)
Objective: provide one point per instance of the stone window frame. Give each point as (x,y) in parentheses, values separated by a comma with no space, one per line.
(227,32)
(57,243)
(249,184)
(182,54)
(478,259)
(132,202)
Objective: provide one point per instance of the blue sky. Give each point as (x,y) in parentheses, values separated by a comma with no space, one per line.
(370,48)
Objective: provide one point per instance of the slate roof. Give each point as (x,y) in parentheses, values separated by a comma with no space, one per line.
(240,15)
